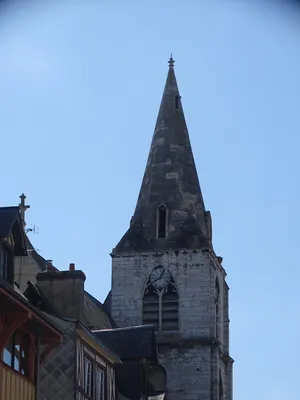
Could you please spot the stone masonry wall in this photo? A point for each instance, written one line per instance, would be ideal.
(194, 274)
(188, 372)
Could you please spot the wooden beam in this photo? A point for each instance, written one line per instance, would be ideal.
(9, 323)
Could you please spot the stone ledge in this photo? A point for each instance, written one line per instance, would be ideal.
(180, 340)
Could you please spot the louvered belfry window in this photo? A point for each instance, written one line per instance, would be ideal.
(160, 302)
(151, 308)
(170, 309)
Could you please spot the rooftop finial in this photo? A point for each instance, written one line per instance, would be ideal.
(23, 207)
(171, 62)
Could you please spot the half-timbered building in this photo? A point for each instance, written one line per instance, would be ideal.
(82, 367)
(26, 334)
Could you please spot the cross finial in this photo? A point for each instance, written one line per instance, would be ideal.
(171, 62)
(23, 207)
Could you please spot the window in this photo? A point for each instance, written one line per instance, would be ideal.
(217, 299)
(88, 377)
(91, 376)
(16, 353)
(162, 222)
(160, 301)
(170, 309)
(100, 376)
(4, 263)
(151, 308)
(177, 98)
(8, 352)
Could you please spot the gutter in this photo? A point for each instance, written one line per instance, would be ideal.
(111, 354)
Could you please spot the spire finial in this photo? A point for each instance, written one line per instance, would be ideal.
(171, 62)
(23, 207)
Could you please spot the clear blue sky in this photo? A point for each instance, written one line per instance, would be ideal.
(80, 87)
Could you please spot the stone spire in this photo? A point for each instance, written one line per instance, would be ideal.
(170, 180)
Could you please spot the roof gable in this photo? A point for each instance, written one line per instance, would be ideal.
(11, 225)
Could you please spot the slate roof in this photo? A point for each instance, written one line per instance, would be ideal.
(102, 343)
(9, 216)
(40, 261)
(171, 179)
(107, 304)
(95, 316)
(131, 343)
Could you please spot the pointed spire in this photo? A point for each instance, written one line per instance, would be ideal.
(171, 62)
(170, 180)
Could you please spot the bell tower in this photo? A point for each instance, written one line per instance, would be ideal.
(165, 271)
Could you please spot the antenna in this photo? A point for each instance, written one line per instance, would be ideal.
(35, 229)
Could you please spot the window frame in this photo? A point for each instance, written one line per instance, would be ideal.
(90, 389)
(21, 364)
(101, 395)
(159, 235)
(87, 360)
(169, 288)
(177, 102)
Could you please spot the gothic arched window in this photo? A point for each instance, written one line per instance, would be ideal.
(160, 302)
(162, 221)
(217, 300)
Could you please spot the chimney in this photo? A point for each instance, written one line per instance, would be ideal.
(49, 266)
(64, 290)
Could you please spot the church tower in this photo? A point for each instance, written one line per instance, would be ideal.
(165, 271)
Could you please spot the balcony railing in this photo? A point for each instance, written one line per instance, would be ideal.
(14, 386)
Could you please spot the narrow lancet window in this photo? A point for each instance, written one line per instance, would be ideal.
(162, 222)
(217, 297)
(177, 102)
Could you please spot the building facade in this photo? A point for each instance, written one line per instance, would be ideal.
(165, 271)
(26, 335)
(82, 366)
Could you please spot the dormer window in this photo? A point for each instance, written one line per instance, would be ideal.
(162, 217)
(177, 100)
(4, 257)
(6, 262)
